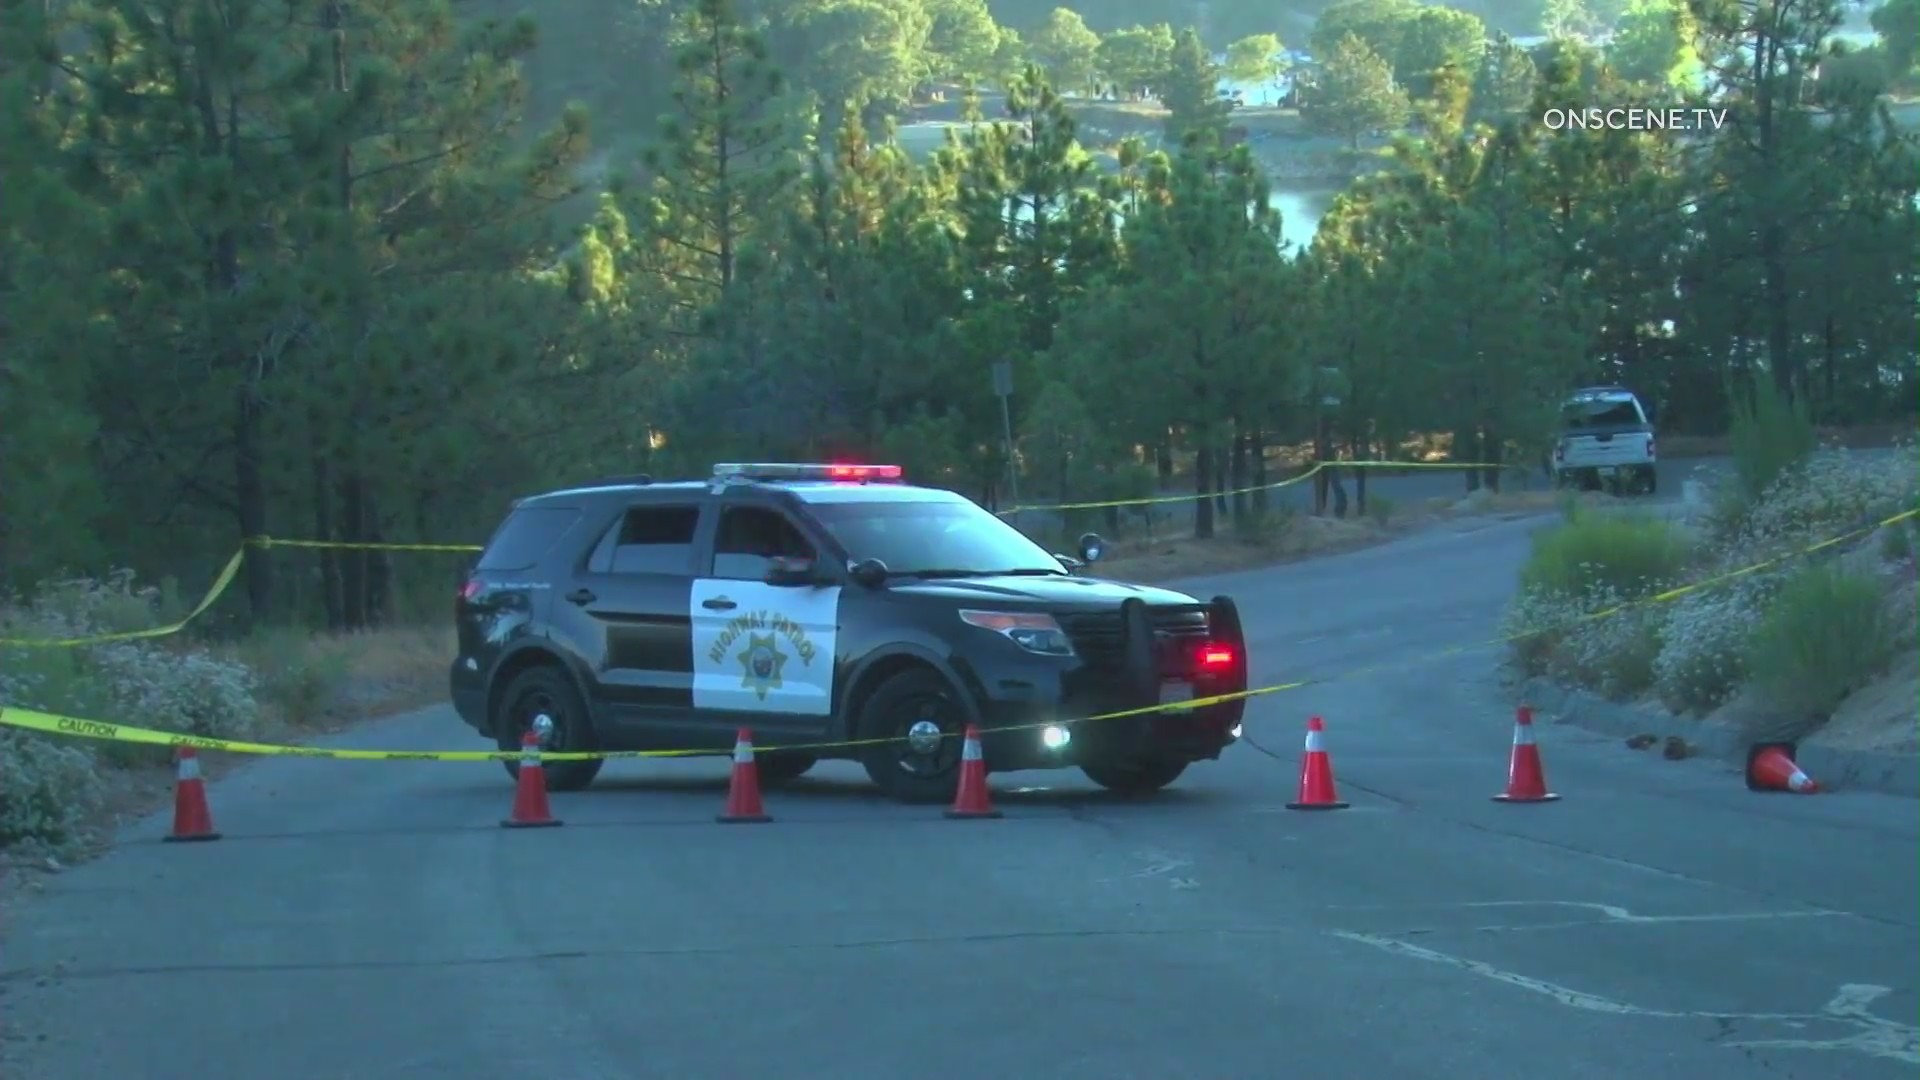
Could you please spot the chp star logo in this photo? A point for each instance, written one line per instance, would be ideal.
(761, 662)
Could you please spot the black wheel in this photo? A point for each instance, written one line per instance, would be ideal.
(1650, 480)
(1135, 777)
(779, 766)
(923, 720)
(548, 692)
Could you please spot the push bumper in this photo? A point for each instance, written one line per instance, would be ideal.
(1045, 719)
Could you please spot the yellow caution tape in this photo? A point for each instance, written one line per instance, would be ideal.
(55, 724)
(264, 542)
(1318, 467)
(219, 586)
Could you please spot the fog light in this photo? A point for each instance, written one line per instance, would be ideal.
(1053, 738)
(1235, 732)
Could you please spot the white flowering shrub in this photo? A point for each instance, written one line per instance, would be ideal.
(1703, 660)
(1831, 493)
(48, 791)
(192, 692)
(1570, 640)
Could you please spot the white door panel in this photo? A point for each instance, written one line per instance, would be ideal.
(771, 652)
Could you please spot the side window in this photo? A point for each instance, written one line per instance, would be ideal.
(648, 540)
(525, 536)
(751, 535)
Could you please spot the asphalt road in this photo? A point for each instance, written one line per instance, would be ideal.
(372, 921)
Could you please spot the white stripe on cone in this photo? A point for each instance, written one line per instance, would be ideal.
(1523, 734)
(970, 751)
(1314, 742)
(1799, 781)
(743, 753)
(189, 767)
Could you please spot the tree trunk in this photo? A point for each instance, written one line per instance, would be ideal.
(1493, 453)
(1202, 489)
(323, 531)
(1257, 450)
(250, 499)
(1221, 458)
(1359, 453)
(1238, 474)
(353, 570)
(1163, 458)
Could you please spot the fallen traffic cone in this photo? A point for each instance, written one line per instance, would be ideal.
(970, 799)
(743, 792)
(1770, 767)
(1526, 781)
(192, 820)
(1316, 772)
(530, 810)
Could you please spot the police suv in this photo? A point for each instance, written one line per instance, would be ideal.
(830, 603)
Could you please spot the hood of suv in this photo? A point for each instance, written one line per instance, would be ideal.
(1042, 591)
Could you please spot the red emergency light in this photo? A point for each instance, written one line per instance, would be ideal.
(863, 472)
(1216, 657)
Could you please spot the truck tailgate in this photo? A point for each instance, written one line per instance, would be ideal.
(1588, 451)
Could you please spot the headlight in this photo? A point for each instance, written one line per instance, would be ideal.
(1036, 633)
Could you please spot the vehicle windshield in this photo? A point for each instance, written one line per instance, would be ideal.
(935, 538)
(1603, 412)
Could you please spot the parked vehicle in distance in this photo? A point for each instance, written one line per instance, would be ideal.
(1606, 443)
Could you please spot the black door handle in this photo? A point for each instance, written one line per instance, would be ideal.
(719, 603)
(581, 596)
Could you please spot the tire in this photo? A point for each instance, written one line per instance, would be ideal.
(779, 767)
(1650, 480)
(906, 700)
(547, 690)
(1135, 778)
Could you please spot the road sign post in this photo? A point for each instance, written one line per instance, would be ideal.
(1003, 389)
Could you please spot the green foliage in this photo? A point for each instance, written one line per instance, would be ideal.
(1770, 435)
(1255, 58)
(1826, 634)
(1897, 22)
(1626, 555)
(1355, 93)
(1190, 90)
(1065, 49)
(1654, 44)
(1133, 59)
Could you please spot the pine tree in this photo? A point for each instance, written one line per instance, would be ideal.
(1190, 89)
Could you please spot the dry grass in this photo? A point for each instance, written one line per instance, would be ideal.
(1860, 437)
(1292, 537)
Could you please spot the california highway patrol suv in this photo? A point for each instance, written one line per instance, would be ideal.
(825, 603)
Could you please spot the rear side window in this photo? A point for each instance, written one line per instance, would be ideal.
(525, 536)
(648, 540)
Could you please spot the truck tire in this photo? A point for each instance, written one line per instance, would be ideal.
(1135, 778)
(546, 690)
(922, 719)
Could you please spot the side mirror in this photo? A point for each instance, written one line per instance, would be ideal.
(869, 573)
(1072, 564)
(1091, 547)
(789, 571)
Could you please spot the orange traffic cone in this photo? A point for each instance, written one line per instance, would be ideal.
(530, 810)
(1526, 781)
(1316, 772)
(192, 820)
(743, 792)
(970, 799)
(1770, 767)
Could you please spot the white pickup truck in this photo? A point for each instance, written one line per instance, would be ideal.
(1606, 441)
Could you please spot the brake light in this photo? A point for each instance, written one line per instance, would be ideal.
(1649, 446)
(470, 590)
(863, 472)
(1215, 657)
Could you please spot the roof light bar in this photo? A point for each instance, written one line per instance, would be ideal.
(778, 470)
